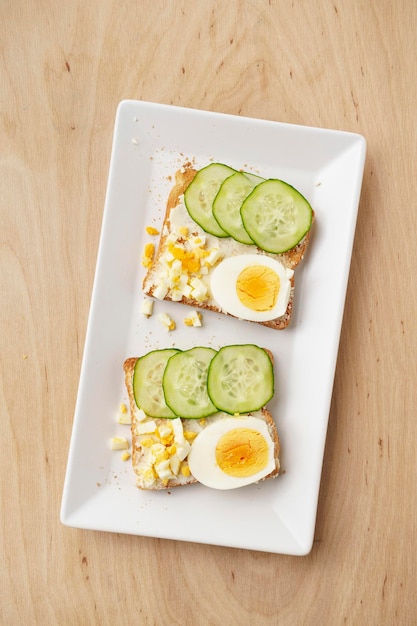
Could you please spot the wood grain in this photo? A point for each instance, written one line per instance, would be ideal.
(63, 68)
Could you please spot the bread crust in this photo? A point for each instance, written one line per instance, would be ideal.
(289, 259)
(137, 453)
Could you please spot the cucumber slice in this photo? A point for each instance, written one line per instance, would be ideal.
(147, 383)
(200, 193)
(227, 203)
(185, 383)
(276, 216)
(240, 379)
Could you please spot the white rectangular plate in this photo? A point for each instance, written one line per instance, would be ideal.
(151, 142)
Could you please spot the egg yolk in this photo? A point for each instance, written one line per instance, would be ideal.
(257, 287)
(242, 452)
(190, 260)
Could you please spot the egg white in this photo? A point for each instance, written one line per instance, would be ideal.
(223, 286)
(202, 456)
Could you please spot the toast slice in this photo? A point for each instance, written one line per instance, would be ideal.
(178, 227)
(168, 432)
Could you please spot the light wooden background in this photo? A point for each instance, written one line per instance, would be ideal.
(64, 66)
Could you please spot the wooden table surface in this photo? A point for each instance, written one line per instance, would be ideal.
(64, 67)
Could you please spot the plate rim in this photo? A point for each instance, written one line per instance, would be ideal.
(124, 108)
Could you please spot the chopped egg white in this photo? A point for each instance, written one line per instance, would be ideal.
(166, 321)
(123, 416)
(140, 415)
(161, 290)
(164, 449)
(199, 290)
(194, 319)
(214, 256)
(147, 307)
(186, 259)
(119, 443)
(146, 427)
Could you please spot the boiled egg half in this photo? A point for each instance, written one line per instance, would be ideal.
(252, 287)
(232, 452)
